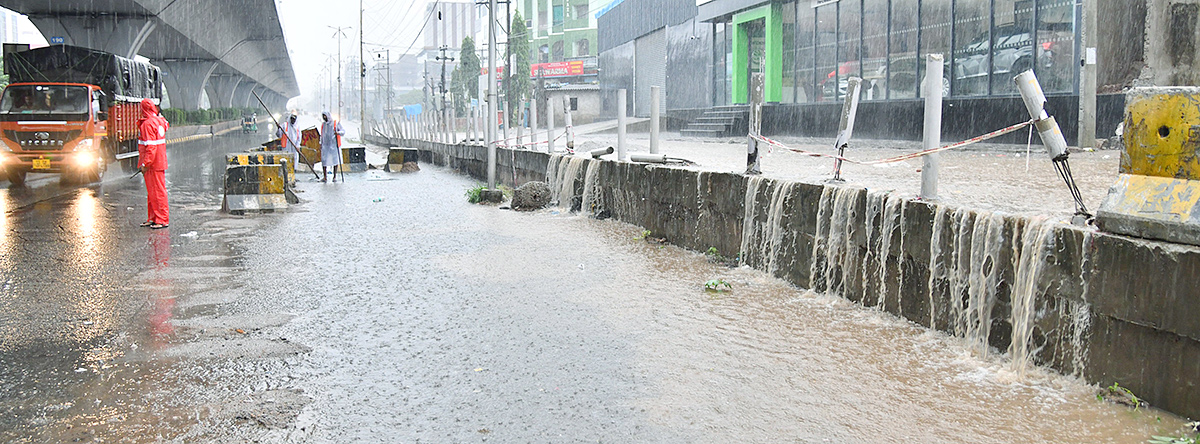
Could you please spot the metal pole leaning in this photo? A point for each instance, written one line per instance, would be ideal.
(621, 104)
(931, 164)
(755, 124)
(654, 104)
(846, 126)
(1052, 138)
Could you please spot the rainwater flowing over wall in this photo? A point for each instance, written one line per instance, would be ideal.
(1104, 307)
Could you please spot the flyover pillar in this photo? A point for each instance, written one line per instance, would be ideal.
(119, 34)
(185, 81)
(241, 94)
(220, 89)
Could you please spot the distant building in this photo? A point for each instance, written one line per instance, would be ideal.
(703, 53)
(16, 28)
(562, 29)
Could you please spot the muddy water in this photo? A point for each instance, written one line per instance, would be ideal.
(387, 309)
(433, 320)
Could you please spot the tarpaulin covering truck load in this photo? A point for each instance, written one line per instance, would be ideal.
(72, 111)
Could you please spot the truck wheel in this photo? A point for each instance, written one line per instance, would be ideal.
(16, 177)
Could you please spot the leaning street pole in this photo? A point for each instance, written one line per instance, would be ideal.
(491, 79)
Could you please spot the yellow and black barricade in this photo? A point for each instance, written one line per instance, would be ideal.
(1157, 195)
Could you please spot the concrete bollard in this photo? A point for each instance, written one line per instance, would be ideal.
(533, 123)
(520, 125)
(507, 119)
(600, 152)
(648, 158)
(931, 164)
(621, 104)
(654, 104)
(550, 126)
(756, 99)
(567, 115)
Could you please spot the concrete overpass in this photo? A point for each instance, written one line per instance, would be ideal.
(227, 48)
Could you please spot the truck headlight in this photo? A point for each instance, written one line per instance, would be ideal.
(84, 158)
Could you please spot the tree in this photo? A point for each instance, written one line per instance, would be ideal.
(464, 81)
(3, 77)
(516, 77)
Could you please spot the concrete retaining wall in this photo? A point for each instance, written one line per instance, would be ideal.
(1108, 308)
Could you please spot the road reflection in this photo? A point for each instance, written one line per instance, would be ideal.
(162, 297)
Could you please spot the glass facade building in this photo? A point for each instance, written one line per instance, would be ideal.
(808, 49)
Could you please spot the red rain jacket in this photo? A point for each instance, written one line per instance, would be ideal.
(152, 138)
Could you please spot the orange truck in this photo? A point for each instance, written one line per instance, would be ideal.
(72, 111)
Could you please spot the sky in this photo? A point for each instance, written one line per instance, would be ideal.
(308, 28)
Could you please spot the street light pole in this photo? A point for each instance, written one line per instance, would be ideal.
(362, 76)
(491, 79)
(442, 88)
(339, 33)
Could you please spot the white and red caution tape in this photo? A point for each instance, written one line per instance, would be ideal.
(900, 158)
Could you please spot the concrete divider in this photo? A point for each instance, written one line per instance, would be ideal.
(1158, 192)
(354, 159)
(288, 161)
(258, 182)
(397, 157)
(1105, 307)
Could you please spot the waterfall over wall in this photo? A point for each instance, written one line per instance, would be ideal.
(1105, 307)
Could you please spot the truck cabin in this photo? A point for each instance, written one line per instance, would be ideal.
(63, 102)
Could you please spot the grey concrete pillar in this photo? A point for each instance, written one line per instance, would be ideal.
(241, 94)
(221, 88)
(185, 81)
(121, 35)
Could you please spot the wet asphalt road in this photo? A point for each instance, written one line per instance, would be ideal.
(387, 309)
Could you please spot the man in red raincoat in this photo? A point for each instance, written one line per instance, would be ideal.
(152, 155)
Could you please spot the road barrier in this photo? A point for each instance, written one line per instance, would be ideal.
(354, 159)
(257, 182)
(397, 157)
(1157, 194)
(266, 158)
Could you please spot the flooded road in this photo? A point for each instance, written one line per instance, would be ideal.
(388, 309)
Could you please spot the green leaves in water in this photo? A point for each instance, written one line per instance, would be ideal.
(717, 286)
(474, 194)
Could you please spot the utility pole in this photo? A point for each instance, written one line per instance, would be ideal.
(1087, 76)
(442, 88)
(388, 67)
(491, 79)
(362, 76)
(339, 32)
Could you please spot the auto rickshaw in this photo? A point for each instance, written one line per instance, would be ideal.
(249, 124)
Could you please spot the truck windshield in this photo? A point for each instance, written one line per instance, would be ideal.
(44, 99)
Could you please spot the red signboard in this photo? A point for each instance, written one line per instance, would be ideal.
(557, 69)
